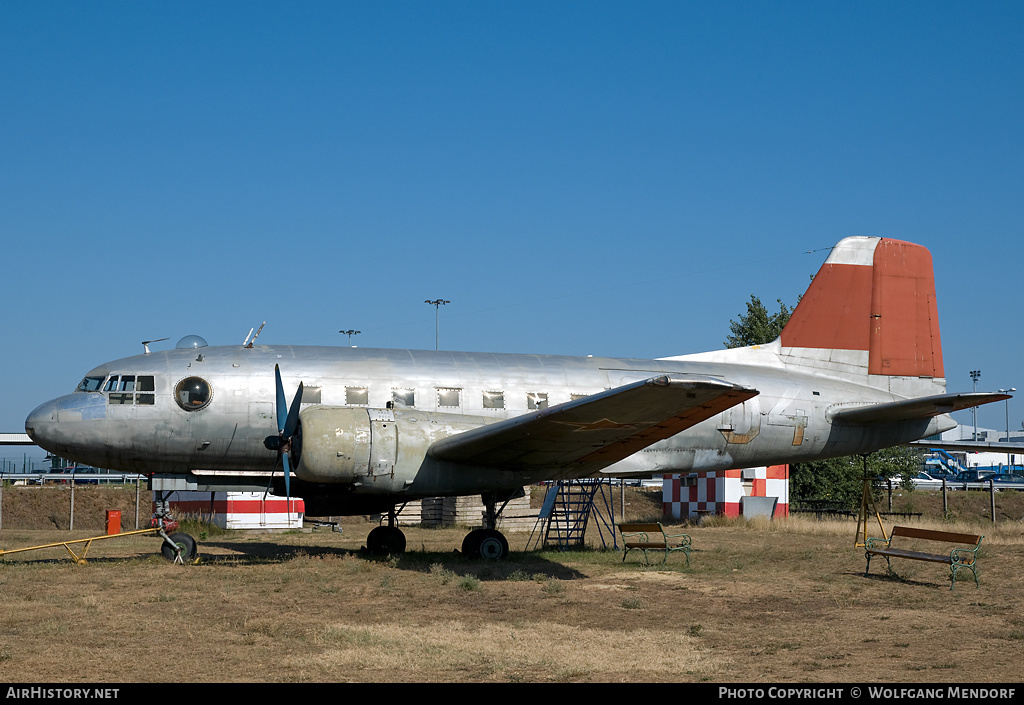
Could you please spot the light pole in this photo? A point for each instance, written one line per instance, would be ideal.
(975, 374)
(437, 304)
(1009, 465)
(350, 333)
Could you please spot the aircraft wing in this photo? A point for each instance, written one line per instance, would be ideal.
(910, 409)
(596, 430)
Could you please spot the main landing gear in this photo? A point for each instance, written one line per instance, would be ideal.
(489, 544)
(486, 543)
(386, 540)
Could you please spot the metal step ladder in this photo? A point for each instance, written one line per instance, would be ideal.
(568, 506)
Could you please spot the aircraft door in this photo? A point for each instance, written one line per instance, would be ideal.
(383, 443)
(262, 420)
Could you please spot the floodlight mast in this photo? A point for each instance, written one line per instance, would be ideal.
(350, 333)
(1009, 456)
(975, 375)
(437, 304)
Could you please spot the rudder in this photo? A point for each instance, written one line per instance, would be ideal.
(871, 310)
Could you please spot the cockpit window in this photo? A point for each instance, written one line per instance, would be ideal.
(193, 393)
(121, 389)
(90, 384)
(122, 383)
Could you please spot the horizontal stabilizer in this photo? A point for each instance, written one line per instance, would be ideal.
(597, 430)
(972, 446)
(912, 409)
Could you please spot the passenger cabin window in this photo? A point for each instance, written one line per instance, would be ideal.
(357, 396)
(193, 393)
(403, 397)
(311, 395)
(448, 397)
(537, 400)
(130, 389)
(494, 400)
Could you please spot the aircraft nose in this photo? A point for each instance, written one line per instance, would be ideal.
(40, 422)
(72, 426)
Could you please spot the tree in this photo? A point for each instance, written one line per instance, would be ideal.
(758, 326)
(839, 479)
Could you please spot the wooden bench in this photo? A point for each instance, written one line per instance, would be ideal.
(653, 537)
(957, 558)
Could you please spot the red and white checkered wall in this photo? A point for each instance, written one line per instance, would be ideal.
(718, 492)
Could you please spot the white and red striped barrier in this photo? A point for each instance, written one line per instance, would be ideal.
(239, 510)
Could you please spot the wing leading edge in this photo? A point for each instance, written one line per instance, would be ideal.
(598, 430)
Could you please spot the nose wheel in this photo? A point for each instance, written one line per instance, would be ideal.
(179, 548)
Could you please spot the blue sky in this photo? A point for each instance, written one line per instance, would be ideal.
(575, 177)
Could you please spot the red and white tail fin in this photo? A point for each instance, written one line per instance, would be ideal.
(871, 311)
(869, 316)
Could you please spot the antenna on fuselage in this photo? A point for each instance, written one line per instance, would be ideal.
(249, 343)
(145, 344)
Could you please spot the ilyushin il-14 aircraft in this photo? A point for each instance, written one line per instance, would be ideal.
(857, 368)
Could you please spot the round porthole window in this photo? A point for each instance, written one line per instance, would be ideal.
(193, 393)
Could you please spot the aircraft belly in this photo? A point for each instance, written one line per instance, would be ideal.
(433, 477)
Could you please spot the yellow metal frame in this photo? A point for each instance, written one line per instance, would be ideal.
(80, 559)
(867, 498)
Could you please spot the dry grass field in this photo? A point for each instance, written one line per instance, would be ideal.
(785, 601)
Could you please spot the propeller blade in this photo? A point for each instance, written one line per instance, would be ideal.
(287, 424)
(287, 480)
(292, 422)
(282, 408)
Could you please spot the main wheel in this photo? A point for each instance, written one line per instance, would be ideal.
(471, 544)
(186, 543)
(488, 544)
(386, 540)
(493, 545)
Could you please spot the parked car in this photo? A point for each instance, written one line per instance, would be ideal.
(1006, 481)
(926, 481)
(973, 476)
(939, 473)
(87, 476)
(83, 475)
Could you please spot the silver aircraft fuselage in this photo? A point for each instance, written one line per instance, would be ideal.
(425, 396)
(857, 367)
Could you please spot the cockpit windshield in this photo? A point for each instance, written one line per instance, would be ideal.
(122, 389)
(90, 384)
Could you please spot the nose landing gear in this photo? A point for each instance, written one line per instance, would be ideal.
(179, 548)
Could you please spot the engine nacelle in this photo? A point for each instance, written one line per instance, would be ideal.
(356, 445)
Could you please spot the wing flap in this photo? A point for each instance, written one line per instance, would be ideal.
(913, 409)
(597, 430)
